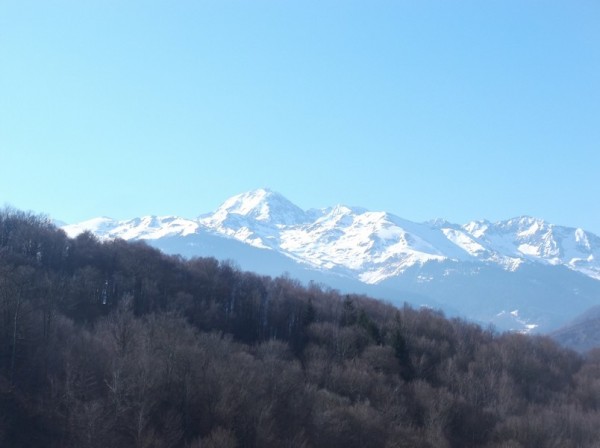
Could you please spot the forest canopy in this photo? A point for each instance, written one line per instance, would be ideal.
(112, 343)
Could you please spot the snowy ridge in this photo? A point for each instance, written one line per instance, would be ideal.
(530, 239)
(145, 228)
(365, 245)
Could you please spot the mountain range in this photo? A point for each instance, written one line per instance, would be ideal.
(520, 274)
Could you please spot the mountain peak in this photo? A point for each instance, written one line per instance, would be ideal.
(263, 205)
(98, 226)
(526, 220)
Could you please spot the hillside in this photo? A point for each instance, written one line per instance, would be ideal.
(581, 334)
(117, 344)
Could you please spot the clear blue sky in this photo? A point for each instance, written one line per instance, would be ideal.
(454, 109)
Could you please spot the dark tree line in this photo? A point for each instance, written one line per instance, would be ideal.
(116, 344)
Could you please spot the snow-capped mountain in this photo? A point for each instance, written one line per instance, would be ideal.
(369, 248)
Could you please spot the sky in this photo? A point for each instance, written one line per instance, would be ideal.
(455, 109)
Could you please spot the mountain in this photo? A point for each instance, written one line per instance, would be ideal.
(522, 273)
(582, 333)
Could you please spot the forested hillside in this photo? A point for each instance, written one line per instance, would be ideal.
(115, 344)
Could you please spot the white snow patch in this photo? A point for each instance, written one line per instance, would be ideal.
(529, 249)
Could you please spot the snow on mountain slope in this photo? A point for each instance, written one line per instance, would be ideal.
(530, 239)
(145, 228)
(370, 246)
(261, 205)
(365, 245)
(255, 217)
(482, 270)
(98, 226)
